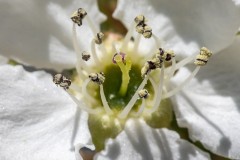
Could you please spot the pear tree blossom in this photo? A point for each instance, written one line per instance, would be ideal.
(122, 100)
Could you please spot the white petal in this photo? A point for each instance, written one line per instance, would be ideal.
(39, 32)
(139, 141)
(185, 25)
(209, 105)
(37, 117)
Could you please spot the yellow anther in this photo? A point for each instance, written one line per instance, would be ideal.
(143, 93)
(139, 19)
(151, 65)
(147, 31)
(203, 56)
(140, 28)
(168, 55)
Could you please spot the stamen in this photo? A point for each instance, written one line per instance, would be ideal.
(99, 78)
(159, 92)
(104, 101)
(85, 91)
(124, 64)
(201, 60)
(62, 81)
(131, 103)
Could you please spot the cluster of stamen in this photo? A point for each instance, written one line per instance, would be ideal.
(160, 57)
(142, 27)
(157, 61)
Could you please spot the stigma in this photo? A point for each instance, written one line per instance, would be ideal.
(123, 83)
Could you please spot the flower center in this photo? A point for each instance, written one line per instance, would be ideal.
(125, 84)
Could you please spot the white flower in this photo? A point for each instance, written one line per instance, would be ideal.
(37, 117)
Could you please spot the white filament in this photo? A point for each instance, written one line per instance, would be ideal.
(94, 53)
(157, 41)
(85, 91)
(95, 31)
(155, 88)
(136, 43)
(185, 61)
(171, 72)
(104, 101)
(84, 107)
(91, 25)
(131, 103)
(159, 92)
(141, 109)
(186, 81)
(75, 87)
(128, 37)
(79, 65)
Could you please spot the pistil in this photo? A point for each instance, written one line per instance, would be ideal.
(125, 66)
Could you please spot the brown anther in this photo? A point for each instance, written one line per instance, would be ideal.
(98, 78)
(99, 38)
(85, 56)
(61, 81)
(143, 93)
